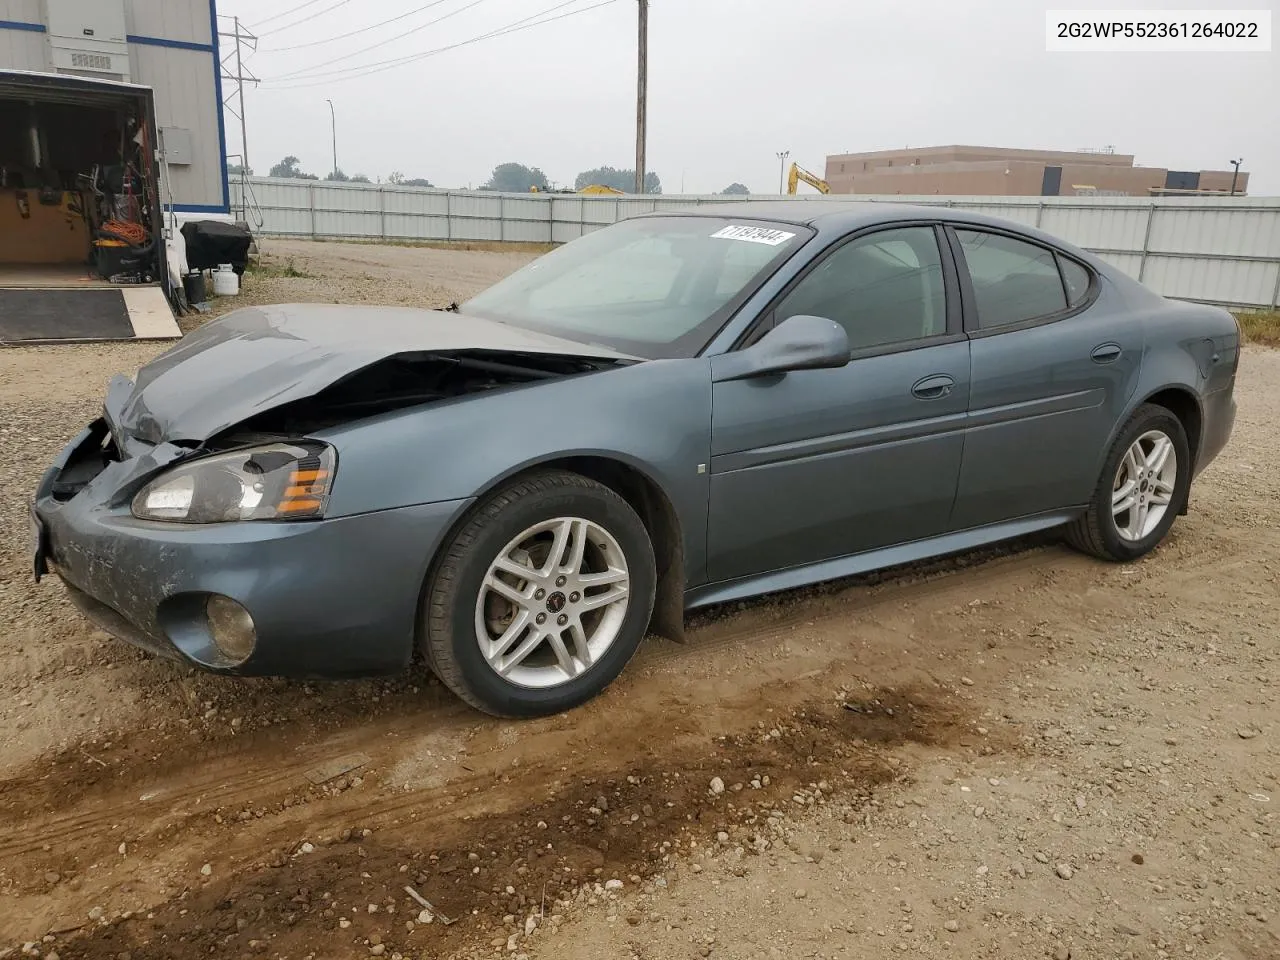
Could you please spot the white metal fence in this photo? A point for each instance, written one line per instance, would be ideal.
(1217, 250)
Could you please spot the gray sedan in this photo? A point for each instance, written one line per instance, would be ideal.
(674, 411)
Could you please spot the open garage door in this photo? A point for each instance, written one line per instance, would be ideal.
(81, 224)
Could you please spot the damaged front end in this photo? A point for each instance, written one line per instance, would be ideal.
(408, 380)
(124, 455)
(321, 363)
(191, 518)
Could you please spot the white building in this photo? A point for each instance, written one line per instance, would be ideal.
(168, 45)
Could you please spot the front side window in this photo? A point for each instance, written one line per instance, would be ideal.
(1013, 281)
(653, 286)
(883, 288)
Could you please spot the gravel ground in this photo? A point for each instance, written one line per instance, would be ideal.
(1014, 753)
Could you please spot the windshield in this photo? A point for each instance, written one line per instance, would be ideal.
(652, 287)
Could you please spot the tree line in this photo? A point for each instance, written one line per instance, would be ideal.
(505, 178)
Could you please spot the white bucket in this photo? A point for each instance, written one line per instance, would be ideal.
(225, 281)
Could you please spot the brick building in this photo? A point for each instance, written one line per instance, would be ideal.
(997, 171)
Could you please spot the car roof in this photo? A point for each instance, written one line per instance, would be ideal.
(841, 216)
(832, 213)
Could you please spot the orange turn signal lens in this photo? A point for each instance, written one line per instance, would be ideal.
(306, 491)
(299, 506)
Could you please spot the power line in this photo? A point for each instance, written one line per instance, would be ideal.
(277, 16)
(309, 17)
(347, 56)
(371, 68)
(352, 33)
(304, 77)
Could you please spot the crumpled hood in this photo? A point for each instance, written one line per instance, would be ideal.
(258, 358)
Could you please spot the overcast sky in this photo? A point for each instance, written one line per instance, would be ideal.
(731, 83)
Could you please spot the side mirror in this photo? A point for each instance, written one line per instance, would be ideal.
(798, 343)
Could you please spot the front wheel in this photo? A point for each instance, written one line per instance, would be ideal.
(541, 598)
(1144, 484)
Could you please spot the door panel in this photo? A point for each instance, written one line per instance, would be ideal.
(818, 464)
(1044, 401)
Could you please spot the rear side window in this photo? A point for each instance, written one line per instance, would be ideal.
(1076, 279)
(1013, 281)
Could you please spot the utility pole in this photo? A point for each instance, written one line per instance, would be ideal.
(333, 129)
(1235, 173)
(782, 168)
(244, 132)
(243, 39)
(642, 91)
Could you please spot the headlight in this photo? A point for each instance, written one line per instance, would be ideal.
(278, 481)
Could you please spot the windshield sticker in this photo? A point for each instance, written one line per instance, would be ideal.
(754, 235)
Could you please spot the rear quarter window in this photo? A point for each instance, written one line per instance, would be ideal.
(1076, 279)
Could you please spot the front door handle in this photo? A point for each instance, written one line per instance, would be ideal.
(1106, 353)
(933, 388)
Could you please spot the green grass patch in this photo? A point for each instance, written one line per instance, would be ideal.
(480, 246)
(1262, 326)
(285, 269)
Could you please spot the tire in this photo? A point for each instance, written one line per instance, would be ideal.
(1121, 537)
(467, 614)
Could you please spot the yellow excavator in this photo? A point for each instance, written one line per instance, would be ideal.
(799, 173)
(591, 189)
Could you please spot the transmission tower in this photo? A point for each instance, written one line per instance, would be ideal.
(233, 69)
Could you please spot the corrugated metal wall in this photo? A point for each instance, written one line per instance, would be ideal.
(22, 49)
(171, 50)
(1217, 250)
(22, 11)
(186, 98)
(187, 21)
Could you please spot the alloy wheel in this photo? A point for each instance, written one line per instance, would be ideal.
(552, 602)
(1143, 489)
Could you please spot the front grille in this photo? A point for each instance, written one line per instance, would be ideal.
(86, 462)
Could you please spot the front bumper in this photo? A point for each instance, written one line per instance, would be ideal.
(329, 598)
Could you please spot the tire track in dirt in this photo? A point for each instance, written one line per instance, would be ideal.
(231, 775)
(479, 781)
(237, 772)
(477, 847)
(258, 779)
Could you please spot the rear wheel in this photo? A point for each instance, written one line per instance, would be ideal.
(1144, 484)
(541, 598)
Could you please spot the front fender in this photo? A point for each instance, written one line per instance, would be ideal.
(654, 417)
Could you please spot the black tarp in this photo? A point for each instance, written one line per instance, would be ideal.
(211, 242)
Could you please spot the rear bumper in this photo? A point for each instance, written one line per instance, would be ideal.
(329, 598)
(1219, 421)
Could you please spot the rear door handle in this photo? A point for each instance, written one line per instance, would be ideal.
(933, 388)
(1106, 353)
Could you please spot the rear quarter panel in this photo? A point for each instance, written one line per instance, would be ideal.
(653, 416)
(1194, 348)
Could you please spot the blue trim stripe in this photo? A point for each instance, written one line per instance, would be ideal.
(131, 38)
(222, 120)
(171, 44)
(200, 208)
